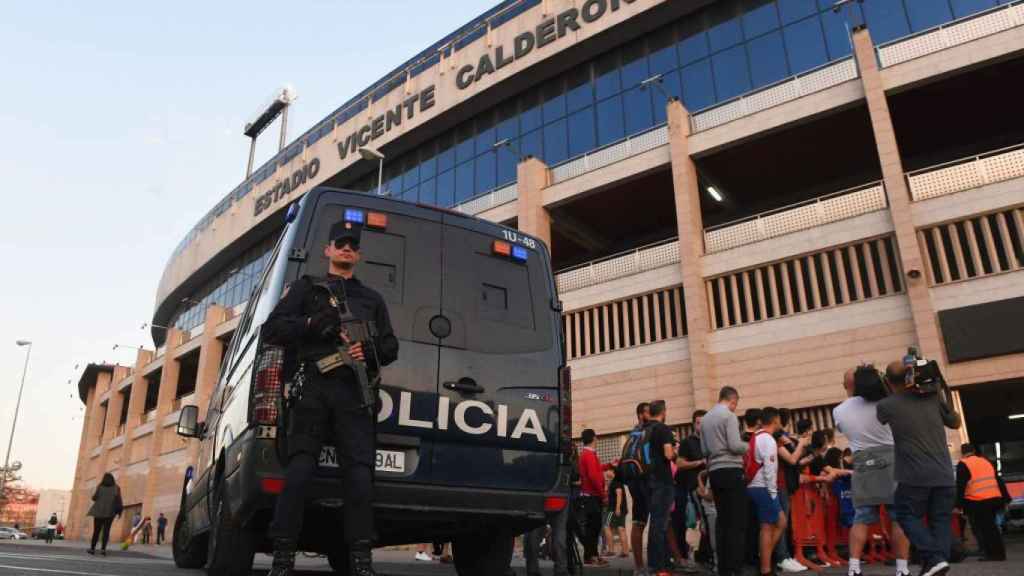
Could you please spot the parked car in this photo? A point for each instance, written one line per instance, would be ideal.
(7, 533)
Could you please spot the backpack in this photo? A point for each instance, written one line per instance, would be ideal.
(636, 454)
(750, 464)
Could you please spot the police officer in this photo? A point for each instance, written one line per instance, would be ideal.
(307, 323)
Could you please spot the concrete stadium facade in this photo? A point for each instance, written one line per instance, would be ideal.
(761, 194)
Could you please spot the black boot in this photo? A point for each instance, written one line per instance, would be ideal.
(284, 557)
(361, 559)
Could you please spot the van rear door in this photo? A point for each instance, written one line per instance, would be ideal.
(401, 261)
(498, 379)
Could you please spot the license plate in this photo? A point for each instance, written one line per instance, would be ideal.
(387, 460)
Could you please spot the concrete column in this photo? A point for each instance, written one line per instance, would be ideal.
(690, 225)
(926, 325)
(164, 406)
(79, 494)
(113, 420)
(137, 401)
(211, 352)
(533, 177)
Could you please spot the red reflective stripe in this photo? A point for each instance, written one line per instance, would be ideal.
(554, 503)
(272, 485)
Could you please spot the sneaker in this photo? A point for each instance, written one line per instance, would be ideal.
(423, 557)
(791, 565)
(938, 569)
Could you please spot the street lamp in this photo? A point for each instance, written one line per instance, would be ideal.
(17, 407)
(372, 154)
(507, 143)
(657, 81)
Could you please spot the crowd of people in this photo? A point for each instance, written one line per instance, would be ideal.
(730, 484)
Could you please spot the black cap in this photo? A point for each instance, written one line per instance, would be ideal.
(353, 230)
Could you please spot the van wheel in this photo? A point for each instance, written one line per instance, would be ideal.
(232, 547)
(338, 559)
(189, 551)
(482, 554)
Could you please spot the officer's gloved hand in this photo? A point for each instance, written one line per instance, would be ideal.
(325, 323)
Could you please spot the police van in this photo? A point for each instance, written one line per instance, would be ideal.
(473, 426)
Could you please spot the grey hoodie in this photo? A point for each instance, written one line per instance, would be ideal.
(720, 439)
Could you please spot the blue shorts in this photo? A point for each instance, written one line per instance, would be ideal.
(767, 506)
(866, 514)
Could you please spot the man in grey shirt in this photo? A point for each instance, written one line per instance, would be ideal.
(926, 485)
(724, 450)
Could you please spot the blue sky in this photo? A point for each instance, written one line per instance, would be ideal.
(120, 126)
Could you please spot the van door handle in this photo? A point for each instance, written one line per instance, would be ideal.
(465, 386)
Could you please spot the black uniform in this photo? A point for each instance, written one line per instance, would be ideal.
(330, 408)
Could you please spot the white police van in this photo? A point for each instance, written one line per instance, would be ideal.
(474, 422)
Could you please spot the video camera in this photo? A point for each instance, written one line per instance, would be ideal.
(922, 377)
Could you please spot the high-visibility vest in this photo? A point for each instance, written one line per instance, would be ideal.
(983, 484)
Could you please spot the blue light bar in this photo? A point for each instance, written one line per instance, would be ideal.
(519, 253)
(353, 215)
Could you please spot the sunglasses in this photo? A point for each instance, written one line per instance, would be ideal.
(342, 242)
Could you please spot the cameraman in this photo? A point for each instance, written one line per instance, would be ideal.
(924, 468)
(873, 455)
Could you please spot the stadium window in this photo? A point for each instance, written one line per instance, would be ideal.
(634, 65)
(724, 30)
(446, 156)
(609, 121)
(484, 138)
(411, 195)
(428, 192)
(446, 189)
(428, 168)
(805, 45)
(924, 14)
(581, 132)
(768, 59)
(485, 172)
(411, 177)
(693, 41)
(530, 144)
(464, 147)
(637, 105)
(607, 81)
(793, 10)
(886, 20)
(529, 117)
(465, 186)
(554, 101)
(506, 164)
(698, 85)
(581, 92)
(837, 38)
(663, 57)
(556, 144)
(759, 17)
(731, 76)
(963, 8)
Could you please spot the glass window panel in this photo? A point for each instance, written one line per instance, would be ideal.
(393, 187)
(508, 128)
(927, 13)
(670, 82)
(485, 141)
(446, 157)
(886, 20)
(530, 144)
(606, 75)
(446, 189)
(634, 65)
(411, 195)
(837, 35)
(465, 147)
(582, 136)
(805, 45)
(662, 47)
(698, 86)
(485, 171)
(581, 91)
(428, 168)
(556, 143)
(768, 59)
(731, 72)
(693, 41)
(609, 121)
(428, 192)
(554, 101)
(793, 10)
(637, 105)
(506, 164)
(465, 184)
(529, 118)
(724, 28)
(759, 16)
(411, 177)
(963, 8)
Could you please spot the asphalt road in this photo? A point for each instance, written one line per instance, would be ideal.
(34, 558)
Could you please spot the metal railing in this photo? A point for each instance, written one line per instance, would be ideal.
(783, 91)
(795, 217)
(610, 154)
(626, 263)
(967, 173)
(487, 200)
(951, 34)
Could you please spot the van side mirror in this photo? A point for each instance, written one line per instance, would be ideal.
(188, 422)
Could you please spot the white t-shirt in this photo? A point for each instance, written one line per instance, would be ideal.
(856, 419)
(766, 453)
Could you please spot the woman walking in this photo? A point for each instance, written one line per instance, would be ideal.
(106, 504)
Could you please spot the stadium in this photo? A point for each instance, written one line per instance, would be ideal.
(760, 193)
